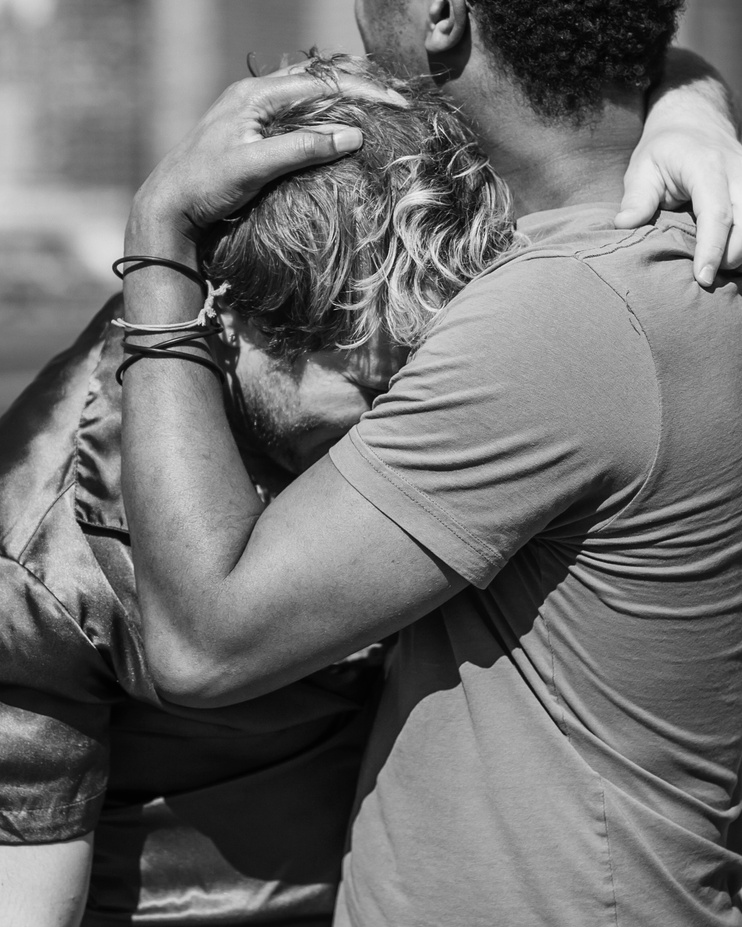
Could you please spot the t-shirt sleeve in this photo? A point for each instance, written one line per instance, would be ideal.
(54, 716)
(530, 410)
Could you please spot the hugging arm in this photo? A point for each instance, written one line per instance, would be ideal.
(690, 151)
(237, 601)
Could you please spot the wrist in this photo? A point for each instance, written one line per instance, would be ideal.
(159, 214)
(153, 230)
(155, 293)
(691, 97)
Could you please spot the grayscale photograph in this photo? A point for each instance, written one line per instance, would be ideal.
(370, 463)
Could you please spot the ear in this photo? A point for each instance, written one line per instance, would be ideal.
(228, 338)
(448, 21)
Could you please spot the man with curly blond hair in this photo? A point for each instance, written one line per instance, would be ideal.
(375, 244)
(353, 260)
(235, 815)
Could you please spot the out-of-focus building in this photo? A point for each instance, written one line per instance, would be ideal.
(94, 92)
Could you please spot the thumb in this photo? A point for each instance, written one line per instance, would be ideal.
(255, 163)
(644, 190)
(282, 154)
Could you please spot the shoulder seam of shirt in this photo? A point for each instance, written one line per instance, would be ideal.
(585, 258)
(639, 328)
(543, 251)
(634, 237)
(675, 223)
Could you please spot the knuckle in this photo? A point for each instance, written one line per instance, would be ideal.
(234, 90)
(307, 144)
(715, 160)
(645, 181)
(713, 251)
(723, 216)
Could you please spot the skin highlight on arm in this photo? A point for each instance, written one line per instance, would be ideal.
(45, 885)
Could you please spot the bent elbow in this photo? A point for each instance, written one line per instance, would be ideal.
(198, 675)
(182, 676)
(184, 672)
(196, 664)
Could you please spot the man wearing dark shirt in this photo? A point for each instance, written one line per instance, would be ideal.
(237, 815)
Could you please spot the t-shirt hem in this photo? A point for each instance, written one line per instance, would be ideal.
(415, 512)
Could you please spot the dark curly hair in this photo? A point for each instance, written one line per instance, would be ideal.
(564, 54)
(380, 240)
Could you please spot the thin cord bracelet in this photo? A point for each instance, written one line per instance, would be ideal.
(205, 325)
(137, 352)
(164, 349)
(202, 320)
(195, 338)
(150, 260)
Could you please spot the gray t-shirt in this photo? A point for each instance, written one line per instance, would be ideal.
(560, 743)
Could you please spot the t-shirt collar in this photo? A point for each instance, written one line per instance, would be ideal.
(548, 223)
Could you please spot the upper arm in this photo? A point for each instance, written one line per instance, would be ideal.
(325, 574)
(45, 885)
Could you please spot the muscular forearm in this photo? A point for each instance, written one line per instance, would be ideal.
(190, 503)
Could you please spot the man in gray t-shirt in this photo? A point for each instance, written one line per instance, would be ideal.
(568, 729)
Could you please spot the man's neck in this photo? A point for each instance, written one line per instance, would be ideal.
(549, 166)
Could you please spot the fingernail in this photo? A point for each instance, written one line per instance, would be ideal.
(706, 277)
(397, 98)
(347, 139)
(626, 219)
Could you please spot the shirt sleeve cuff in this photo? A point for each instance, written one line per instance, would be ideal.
(414, 512)
(54, 822)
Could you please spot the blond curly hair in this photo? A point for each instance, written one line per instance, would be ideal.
(380, 240)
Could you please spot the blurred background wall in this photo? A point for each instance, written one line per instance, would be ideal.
(94, 92)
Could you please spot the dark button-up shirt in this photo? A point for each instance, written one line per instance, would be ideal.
(232, 816)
